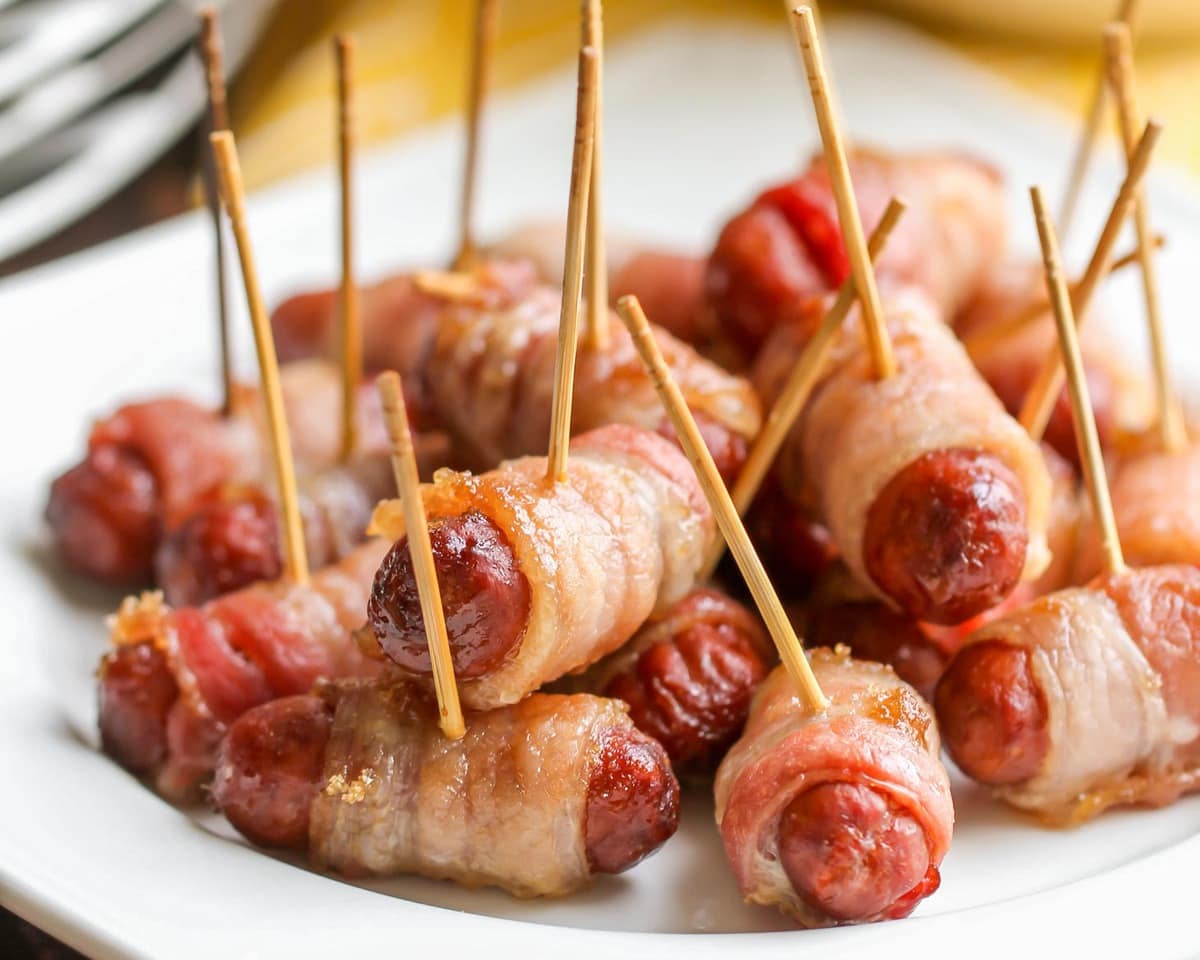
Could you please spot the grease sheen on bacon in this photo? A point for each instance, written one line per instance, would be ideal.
(531, 799)
(619, 540)
(1115, 668)
(201, 668)
(878, 742)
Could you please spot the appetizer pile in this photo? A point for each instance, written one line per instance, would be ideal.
(501, 675)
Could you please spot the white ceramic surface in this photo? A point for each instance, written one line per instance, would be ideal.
(698, 120)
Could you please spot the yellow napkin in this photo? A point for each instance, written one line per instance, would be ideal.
(412, 56)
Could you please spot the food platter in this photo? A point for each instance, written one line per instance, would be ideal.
(698, 117)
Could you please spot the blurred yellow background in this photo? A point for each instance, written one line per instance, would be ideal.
(412, 56)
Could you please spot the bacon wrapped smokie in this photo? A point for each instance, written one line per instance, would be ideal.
(176, 678)
(787, 246)
(490, 378)
(688, 677)
(151, 465)
(539, 579)
(1087, 698)
(537, 798)
(934, 495)
(838, 817)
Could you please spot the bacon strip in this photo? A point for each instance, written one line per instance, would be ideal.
(876, 732)
(619, 540)
(266, 641)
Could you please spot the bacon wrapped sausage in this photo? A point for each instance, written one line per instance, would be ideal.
(151, 464)
(787, 246)
(1087, 698)
(838, 817)
(934, 495)
(1156, 502)
(490, 378)
(176, 678)
(688, 677)
(537, 798)
(539, 579)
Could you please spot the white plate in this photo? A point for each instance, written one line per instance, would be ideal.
(699, 119)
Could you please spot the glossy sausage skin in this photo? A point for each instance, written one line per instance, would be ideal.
(946, 537)
(270, 769)
(632, 802)
(105, 516)
(273, 756)
(992, 713)
(484, 594)
(794, 547)
(225, 545)
(691, 690)
(880, 866)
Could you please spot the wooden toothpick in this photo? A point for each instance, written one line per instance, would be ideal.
(596, 336)
(568, 323)
(805, 30)
(798, 388)
(1118, 49)
(1039, 401)
(730, 524)
(404, 466)
(351, 330)
(481, 73)
(232, 192)
(1126, 13)
(1081, 406)
(218, 119)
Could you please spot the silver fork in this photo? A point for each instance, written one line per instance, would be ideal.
(71, 133)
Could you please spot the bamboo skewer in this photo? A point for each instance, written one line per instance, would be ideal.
(404, 466)
(481, 73)
(1126, 13)
(218, 119)
(233, 193)
(597, 254)
(351, 322)
(568, 322)
(1081, 406)
(983, 340)
(804, 27)
(1118, 48)
(790, 650)
(798, 389)
(1035, 411)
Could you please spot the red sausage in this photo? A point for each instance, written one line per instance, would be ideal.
(632, 802)
(137, 692)
(874, 631)
(224, 546)
(104, 513)
(484, 594)
(851, 852)
(946, 538)
(269, 769)
(692, 692)
(992, 714)
(670, 288)
(795, 548)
